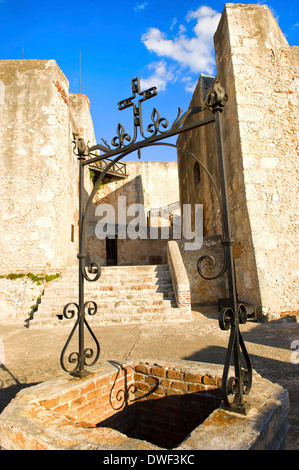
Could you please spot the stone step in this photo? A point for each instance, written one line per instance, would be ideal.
(107, 296)
(104, 279)
(123, 294)
(120, 270)
(100, 284)
(120, 310)
(168, 315)
(121, 290)
(109, 303)
(138, 268)
(51, 314)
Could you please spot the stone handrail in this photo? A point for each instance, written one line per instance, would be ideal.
(179, 277)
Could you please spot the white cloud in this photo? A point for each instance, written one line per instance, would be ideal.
(182, 29)
(159, 77)
(194, 53)
(191, 49)
(190, 84)
(174, 22)
(140, 6)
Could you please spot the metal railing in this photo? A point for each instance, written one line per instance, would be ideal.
(117, 169)
(163, 211)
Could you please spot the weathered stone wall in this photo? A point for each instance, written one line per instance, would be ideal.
(39, 175)
(38, 170)
(266, 78)
(153, 184)
(194, 183)
(202, 292)
(18, 298)
(259, 71)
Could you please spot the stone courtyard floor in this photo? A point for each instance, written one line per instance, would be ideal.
(31, 356)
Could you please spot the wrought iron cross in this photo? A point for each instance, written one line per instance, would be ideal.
(137, 111)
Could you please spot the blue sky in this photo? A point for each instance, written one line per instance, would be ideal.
(165, 42)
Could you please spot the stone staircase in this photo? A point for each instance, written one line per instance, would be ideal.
(123, 294)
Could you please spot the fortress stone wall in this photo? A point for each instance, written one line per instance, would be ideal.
(38, 170)
(154, 184)
(259, 71)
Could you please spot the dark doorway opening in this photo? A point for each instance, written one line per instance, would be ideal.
(111, 251)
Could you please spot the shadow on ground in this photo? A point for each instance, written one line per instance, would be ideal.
(9, 392)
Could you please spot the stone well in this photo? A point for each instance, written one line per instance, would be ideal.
(143, 405)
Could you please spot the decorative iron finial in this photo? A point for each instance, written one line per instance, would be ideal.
(81, 146)
(217, 97)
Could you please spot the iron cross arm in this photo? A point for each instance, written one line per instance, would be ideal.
(146, 95)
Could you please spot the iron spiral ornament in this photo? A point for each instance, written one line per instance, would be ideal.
(235, 387)
(94, 269)
(126, 395)
(81, 357)
(210, 264)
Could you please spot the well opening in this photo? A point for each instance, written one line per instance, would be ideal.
(157, 403)
(164, 422)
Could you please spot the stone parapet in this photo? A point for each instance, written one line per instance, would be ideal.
(39, 172)
(179, 277)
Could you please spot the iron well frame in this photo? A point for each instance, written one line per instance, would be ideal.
(235, 386)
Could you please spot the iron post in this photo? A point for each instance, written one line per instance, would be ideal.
(79, 358)
(236, 385)
(81, 372)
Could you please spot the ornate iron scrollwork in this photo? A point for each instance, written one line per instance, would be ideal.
(93, 268)
(125, 395)
(235, 314)
(80, 358)
(234, 387)
(118, 141)
(160, 125)
(210, 264)
(157, 122)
